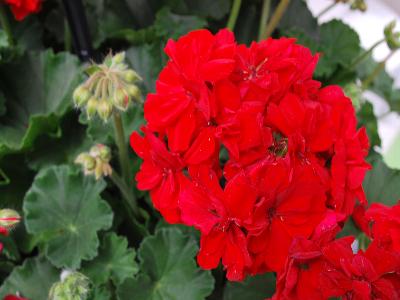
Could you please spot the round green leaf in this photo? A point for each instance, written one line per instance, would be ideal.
(37, 89)
(115, 261)
(381, 184)
(65, 210)
(168, 270)
(32, 280)
(253, 288)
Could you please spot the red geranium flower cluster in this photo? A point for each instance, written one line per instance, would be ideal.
(323, 268)
(23, 8)
(244, 145)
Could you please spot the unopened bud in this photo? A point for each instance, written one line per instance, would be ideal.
(81, 96)
(104, 109)
(359, 5)
(119, 58)
(121, 99)
(9, 218)
(91, 107)
(131, 76)
(96, 161)
(392, 38)
(73, 286)
(134, 91)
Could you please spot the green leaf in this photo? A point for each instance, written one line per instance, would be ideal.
(147, 61)
(299, 17)
(381, 184)
(339, 45)
(168, 270)
(65, 209)
(65, 149)
(253, 288)
(115, 261)
(100, 293)
(38, 92)
(216, 9)
(173, 26)
(366, 118)
(32, 280)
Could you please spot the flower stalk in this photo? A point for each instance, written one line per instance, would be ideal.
(234, 14)
(263, 20)
(5, 24)
(276, 17)
(375, 73)
(326, 9)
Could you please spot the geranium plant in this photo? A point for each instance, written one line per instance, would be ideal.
(207, 150)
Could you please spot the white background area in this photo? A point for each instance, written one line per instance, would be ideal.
(369, 26)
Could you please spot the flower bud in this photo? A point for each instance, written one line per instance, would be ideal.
(131, 76)
(392, 38)
(108, 88)
(81, 96)
(119, 58)
(9, 218)
(91, 107)
(88, 162)
(134, 91)
(104, 109)
(96, 161)
(359, 5)
(73, 286)
(121, 99)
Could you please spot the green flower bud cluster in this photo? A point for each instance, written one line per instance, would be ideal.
(110, 86)
(392, 38)
(73, 286)
(96, 161)
(9, 218)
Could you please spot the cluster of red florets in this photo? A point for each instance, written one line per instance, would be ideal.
(244, 145)
(23, 8)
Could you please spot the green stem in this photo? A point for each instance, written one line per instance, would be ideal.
(67, 37)
(378, 69)
(263, 21)
(276, 17)
(326, 9)
(365, 54)
(6, 25)
(122, 147)
(234, 14)
(126, 194)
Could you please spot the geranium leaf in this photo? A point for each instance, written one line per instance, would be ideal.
(115, 261)
(339, 45)
(252, 288)
(366, 118)
(168, 270)
(100, 293)
(147, 60)
(381, 184)
(31, 280)
(38, 91)
(65, 209)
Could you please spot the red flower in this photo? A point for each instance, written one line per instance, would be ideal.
(159, 173)
(385, 224)
(23, 8)
(290, 206)
(244, 145)
(12, 297)
(222, 217)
